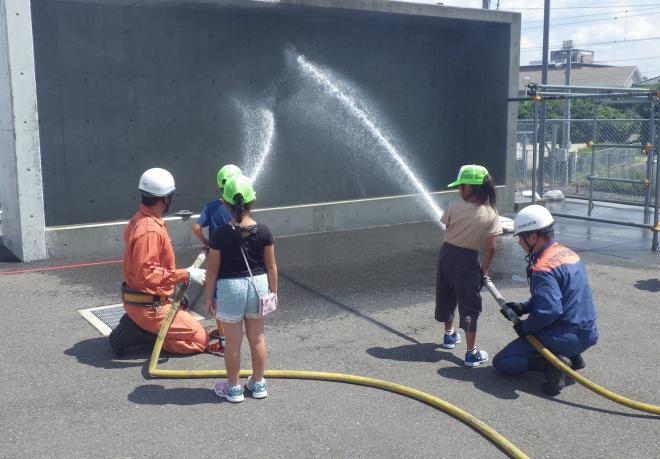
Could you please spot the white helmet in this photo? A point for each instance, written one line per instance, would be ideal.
(532, 218)
(157, 182)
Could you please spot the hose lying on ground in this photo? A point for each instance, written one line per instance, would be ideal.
(550, 357)
(447, 407)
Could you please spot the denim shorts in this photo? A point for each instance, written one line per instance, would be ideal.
(238, 298)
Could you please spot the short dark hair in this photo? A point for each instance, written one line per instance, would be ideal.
(548, 233)
(150, 200)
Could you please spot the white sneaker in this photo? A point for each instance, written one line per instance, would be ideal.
(258, 389)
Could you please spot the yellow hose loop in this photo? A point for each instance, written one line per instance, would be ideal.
(429, 399)
(447, 407)
(635, 405)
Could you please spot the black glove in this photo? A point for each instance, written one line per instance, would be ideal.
(185, 302)
(518, 329)
(516, 307)
(504, 314)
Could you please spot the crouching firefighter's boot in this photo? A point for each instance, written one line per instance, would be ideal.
(127, 335)
(556, 377)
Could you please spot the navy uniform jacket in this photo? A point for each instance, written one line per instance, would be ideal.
(561, 296)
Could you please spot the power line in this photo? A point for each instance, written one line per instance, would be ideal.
(628, 10)
(629, 59)
(594, 43)
(584, 7)
(556, 25)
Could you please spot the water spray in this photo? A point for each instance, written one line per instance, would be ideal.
(260, 136)
(267, 145)
(322, 79)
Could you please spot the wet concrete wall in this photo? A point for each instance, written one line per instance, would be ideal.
(124, 88)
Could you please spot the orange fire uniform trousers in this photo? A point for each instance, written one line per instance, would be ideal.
(185, 336)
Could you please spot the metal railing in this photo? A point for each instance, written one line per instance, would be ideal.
(609, 156)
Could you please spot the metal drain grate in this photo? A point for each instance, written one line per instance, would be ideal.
(106, 318)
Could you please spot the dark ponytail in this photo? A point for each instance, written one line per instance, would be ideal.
(485, 193)
(239, 207)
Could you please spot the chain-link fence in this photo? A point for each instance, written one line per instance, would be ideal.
(607, 158)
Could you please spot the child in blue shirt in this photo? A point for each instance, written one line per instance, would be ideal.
(214, 215)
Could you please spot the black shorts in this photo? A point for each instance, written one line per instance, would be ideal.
(458, 282)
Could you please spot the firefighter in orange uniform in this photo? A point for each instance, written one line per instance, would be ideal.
(150, 275)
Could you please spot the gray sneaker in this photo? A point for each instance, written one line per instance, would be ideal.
(258, 389)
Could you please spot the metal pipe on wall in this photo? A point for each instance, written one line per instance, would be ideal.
(656, 219)
(534, 149)
(649, 165)
(544, 80)
(593, 159)
(602, 220)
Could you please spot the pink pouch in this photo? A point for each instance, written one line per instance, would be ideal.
(267, 304)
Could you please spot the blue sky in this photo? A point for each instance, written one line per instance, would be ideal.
(620, 32)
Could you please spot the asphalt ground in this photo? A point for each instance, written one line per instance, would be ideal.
(356, 302)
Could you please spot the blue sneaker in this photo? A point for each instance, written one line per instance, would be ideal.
(258, 389)
(473, 359)
(451, 340)
(233, 394)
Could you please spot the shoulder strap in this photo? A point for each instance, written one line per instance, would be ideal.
(247, 265)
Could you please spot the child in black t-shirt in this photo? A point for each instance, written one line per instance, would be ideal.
(241, 263)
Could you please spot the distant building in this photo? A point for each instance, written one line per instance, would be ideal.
(583, 75)
(584, 72)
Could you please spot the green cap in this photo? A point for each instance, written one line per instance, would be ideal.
(239, 184)
(225, 173)
(470, 174)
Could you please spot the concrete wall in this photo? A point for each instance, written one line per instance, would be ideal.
(190, 85)
(20, 163)
(106, 239)
(124, 87)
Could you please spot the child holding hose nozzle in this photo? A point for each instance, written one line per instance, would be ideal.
(561, 312)
(214, 215)
(471, 223)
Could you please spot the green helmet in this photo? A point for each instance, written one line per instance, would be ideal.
(470, 174)
(239, 184)
(225, 173)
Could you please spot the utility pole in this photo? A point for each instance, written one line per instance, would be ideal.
(544, 81)
(567, 49)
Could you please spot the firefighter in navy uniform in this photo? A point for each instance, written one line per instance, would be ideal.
(561, 312)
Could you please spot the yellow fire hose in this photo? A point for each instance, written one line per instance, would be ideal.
(550, 357)
(447, 407)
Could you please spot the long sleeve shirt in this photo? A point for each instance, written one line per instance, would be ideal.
(561, 293)
(149, 263)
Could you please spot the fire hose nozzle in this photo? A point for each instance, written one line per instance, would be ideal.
(508, 312)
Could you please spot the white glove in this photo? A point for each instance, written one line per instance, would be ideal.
(197, 275)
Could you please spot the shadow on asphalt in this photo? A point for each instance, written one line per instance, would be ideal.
(421, 352)
(155, 394)
(489, 381)
(649, 285)
(6, 256)
(96, 352)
